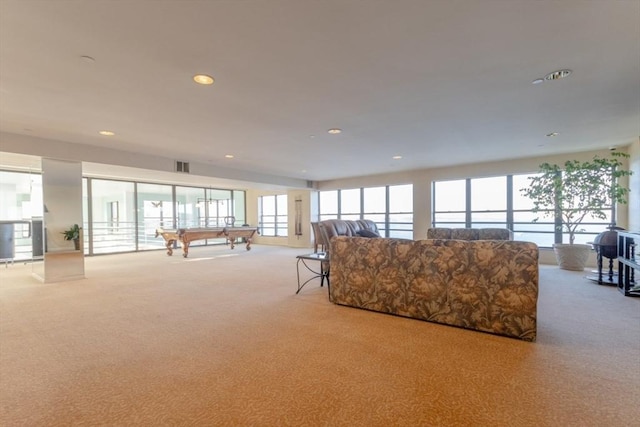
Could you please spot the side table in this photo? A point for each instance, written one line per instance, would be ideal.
(604, 251)
(322, 272)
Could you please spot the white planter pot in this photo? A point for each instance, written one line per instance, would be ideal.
(571, 257)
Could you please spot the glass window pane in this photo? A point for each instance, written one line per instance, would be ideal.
(217, 207)
(401, 198)
(400, 234)
(328, 216)
(400, 221)
(449, 195)
(190, 208)
(534, 226)
(449, 217)
(350, 216)
(21, 200)
(521, 202)
(281, 201)
(377, 218)
(268, 205)
(114, 219)
(155, 209)
(329, 203)
(350, 202)
(375, 200)
(489, 194)
(541, 239)
(239, 207)
(488, 218)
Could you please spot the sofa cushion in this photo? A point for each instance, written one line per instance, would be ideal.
(439, 233)
(367, 233)
(469, 233)
(465, 233)
(495, 234)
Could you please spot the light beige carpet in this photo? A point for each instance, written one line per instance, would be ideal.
(221, 339)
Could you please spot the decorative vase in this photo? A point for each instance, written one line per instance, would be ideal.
(76, 244)
(571, 257)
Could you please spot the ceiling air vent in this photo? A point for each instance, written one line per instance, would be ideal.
(182, 166)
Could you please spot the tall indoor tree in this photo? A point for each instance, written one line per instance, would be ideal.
(575, 191)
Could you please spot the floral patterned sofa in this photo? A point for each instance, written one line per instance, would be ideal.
(484, 285)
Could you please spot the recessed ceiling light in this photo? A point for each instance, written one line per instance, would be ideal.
(396, 157)
(556, 75)
(88, 59)
(552, 134)
(334, 131)
(228, 156)
(203, 79)
(106, 133)
(537, 81)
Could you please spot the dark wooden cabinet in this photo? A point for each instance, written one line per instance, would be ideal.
(628, 263)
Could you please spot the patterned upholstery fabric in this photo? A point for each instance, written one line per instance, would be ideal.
(470, 233)
(465, 233)
(495, 234)
(439, 233)
(485, 285)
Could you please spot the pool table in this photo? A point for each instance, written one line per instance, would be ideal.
(187, 235)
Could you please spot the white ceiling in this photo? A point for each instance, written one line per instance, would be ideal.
(436, 82)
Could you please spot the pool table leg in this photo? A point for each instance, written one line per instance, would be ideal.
(169, 246)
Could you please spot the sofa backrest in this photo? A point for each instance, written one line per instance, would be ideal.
(486, 285)
(342, 227)
(470, 233)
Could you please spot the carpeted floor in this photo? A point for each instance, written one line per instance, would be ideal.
(221, 339)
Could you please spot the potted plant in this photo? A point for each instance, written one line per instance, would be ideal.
(73, 233)
(573, 192)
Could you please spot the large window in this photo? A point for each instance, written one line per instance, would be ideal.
(328, 201)
(118, 216)
(498, 202)
(21, 233)
(390, 207)
(113, 216)
(375, 206)
(400, 214)
(155, 209)
(190, 207)
(272, 214)
(489, 202)
(350, 207)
